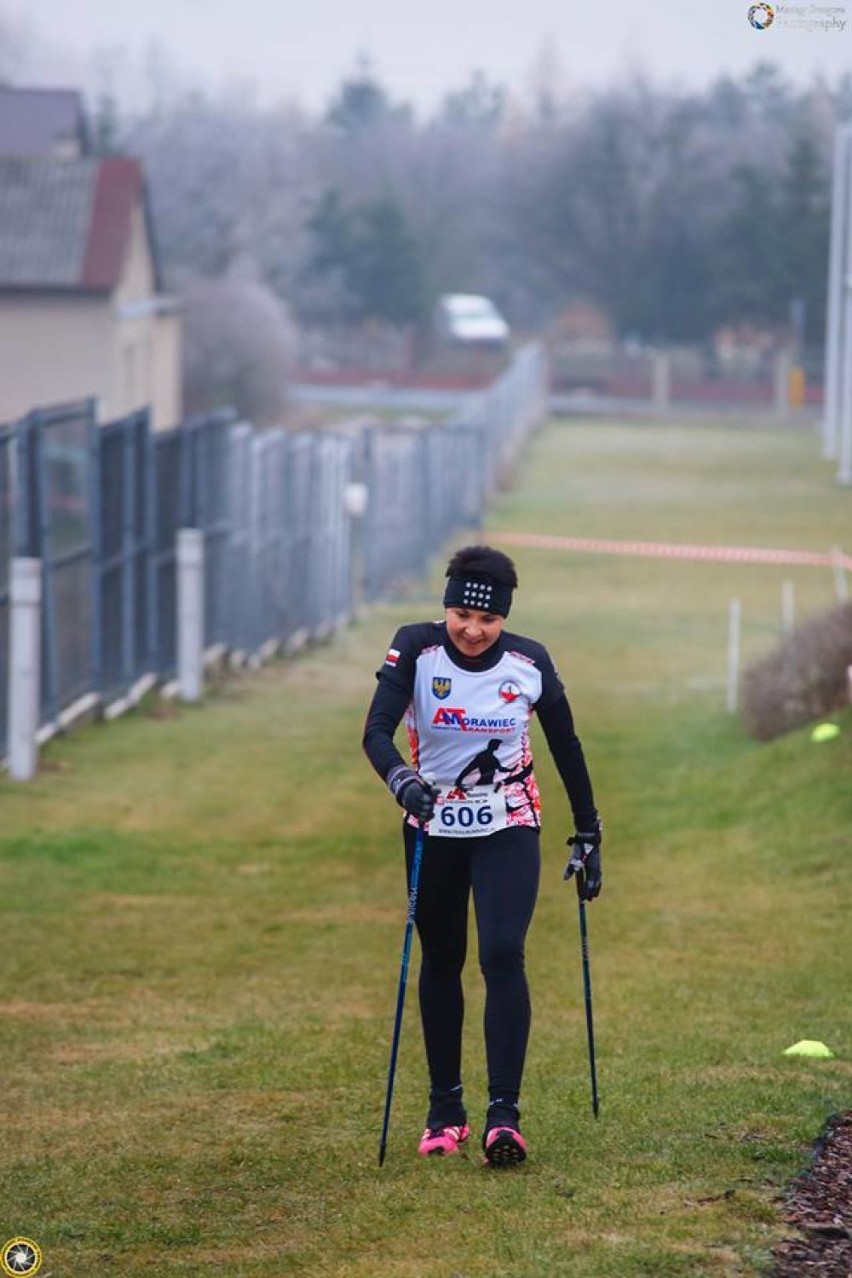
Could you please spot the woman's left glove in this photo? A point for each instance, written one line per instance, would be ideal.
(585, 861)
(412, 792)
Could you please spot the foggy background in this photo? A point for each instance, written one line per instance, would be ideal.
(618, 177)
(298, 51)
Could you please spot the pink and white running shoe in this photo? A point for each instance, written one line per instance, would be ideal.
(504, 1147)
(443, 1140)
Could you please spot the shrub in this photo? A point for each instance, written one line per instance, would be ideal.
(803, 679)
(239, 349)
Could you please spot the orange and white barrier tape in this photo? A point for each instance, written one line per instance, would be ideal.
(673, 550)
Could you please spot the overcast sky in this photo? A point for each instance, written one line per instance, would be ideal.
(418, 51)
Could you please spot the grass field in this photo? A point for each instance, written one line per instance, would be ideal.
(203, 910)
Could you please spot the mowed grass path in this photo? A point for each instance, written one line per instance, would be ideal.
(203, 910)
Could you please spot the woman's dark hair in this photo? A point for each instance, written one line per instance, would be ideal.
(483, 561)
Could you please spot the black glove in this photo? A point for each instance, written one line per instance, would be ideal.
(585, 862)
(412, 792)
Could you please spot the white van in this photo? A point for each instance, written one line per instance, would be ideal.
(468, 319)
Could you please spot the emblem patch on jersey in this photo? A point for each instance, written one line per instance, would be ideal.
(441, 687)
(393, 657)
(509, 690)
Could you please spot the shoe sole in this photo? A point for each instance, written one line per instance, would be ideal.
(504, 1151)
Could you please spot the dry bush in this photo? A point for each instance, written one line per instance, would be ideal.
(803, 679)
(239, 349)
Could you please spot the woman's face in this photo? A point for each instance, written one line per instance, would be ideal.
(473, 632)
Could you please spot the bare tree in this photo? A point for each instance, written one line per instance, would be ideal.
(619, 198)
(227, 183)
(15, 46)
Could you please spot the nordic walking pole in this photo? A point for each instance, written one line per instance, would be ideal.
(403, 978)
(587, 990)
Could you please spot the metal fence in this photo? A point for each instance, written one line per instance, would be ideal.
(57, 524)
(122, 553)
(288, 553)
(425, 481)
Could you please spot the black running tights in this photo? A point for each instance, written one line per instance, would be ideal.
(502, 870)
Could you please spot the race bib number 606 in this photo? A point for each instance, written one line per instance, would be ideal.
(477, 812)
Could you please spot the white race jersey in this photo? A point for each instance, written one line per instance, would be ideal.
(468, 728)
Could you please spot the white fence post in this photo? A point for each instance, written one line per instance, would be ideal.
(837, 272)
(841, 585)
(661, 380)
(844, 417)
(734, 619)
(782, 382)
(24, 666)
(788, 606)
(837, 416)
(190, 613)
(356, 498)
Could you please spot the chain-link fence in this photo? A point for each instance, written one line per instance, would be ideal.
(122, 551)
(60, 446)
(425, 482)
(298, 528)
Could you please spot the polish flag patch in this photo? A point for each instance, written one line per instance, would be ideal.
(393, 657)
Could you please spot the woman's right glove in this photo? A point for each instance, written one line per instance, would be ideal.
(412, 792)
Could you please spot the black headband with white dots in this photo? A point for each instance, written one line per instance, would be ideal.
(479, 593)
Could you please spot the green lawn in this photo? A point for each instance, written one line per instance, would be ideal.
(203, 910)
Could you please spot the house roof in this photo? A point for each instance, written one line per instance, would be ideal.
(65, 224)
(45, 122)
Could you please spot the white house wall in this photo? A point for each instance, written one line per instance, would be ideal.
(147, 340)
(123, 349)
(55, 348)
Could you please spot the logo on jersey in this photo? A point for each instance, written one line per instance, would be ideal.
(457, 719)
(441, 688)
(393, 657)
(509, 690)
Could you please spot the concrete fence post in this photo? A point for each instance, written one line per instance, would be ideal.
(661, 380)
(356, 498)
(841, 206)
(844, 439)
(783, 364)
(24, 696)
(734, 627)
(841, 585)
(190, 613)
(788, 607)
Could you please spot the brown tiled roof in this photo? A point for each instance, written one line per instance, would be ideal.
(65, 224)
(117, 189)
(42, 121)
